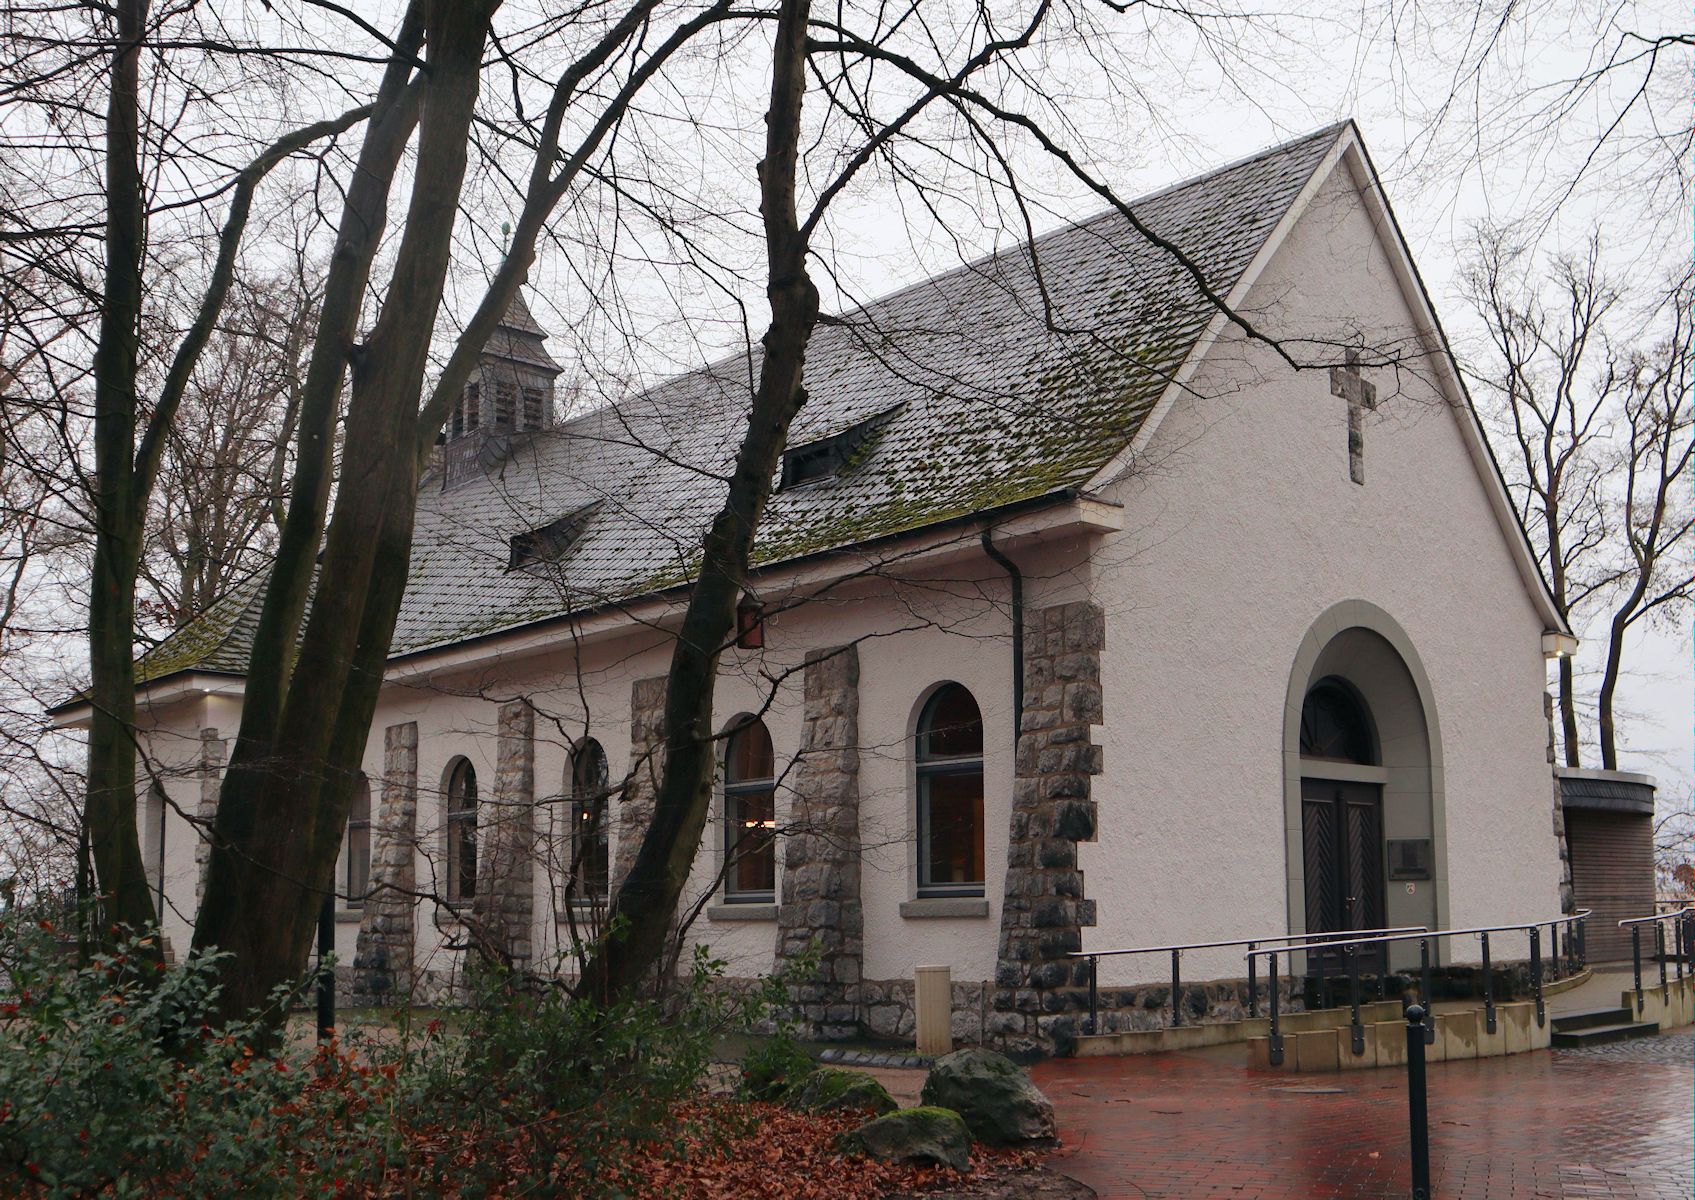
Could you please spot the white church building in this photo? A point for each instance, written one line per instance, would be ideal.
(1081, 618)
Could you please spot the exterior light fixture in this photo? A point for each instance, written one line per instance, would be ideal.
(1558, 645)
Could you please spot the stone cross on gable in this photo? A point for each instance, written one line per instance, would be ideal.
(1348, 383)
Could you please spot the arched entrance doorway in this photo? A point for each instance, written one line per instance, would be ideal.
(1342, 843)
(1363, 784)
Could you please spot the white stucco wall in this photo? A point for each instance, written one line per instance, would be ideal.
(1242, 526)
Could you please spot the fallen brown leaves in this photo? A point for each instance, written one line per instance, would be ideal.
(784, 1155)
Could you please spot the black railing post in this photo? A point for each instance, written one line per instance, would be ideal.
(1094, 997)
(1424, 990)
(1176, 987)
(1488, 986)
(1355, 1029)
(1636, 963)
(1276, 1033)
(1253, 984)
(1660, 953)
(1323, 989)
(1554, 950)
(1682, 943)
(1536, 974)
(1418, 1104)
(326, 976)
(1582, 942)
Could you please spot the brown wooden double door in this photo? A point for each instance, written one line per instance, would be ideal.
(1342, 837)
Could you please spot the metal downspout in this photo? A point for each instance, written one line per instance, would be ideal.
(1016, 578)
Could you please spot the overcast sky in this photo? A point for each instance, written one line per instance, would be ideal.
(1454, 150)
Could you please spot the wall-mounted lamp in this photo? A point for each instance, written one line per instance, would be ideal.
(1558, 645)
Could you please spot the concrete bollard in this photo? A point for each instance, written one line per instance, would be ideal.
(933, 1004)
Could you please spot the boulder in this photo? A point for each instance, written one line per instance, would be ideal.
(924, 1137)
(829, 1089)
(996, 1100)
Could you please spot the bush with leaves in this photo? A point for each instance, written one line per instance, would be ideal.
(113, 1080)
(565, 1087)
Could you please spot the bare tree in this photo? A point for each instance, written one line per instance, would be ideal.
(1593, 420)
(223, 481)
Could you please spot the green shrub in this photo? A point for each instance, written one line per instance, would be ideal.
(114, 1078)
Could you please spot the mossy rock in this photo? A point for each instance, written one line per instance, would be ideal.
(923, 1137)
(830, 1089)
(996, 1100)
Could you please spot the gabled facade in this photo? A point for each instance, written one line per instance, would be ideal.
(1081, 618)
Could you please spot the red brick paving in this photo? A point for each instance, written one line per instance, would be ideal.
(1535, 1125)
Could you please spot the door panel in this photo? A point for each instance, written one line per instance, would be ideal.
(1342, 833)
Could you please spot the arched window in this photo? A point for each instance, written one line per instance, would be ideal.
(593, 877)
(750, 816)
(950, 795)
(1335, 725)
(462, 831)
(358, 878)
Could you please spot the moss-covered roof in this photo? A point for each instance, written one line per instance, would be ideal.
(1015, 376)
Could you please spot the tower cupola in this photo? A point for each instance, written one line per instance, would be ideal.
(511, 391)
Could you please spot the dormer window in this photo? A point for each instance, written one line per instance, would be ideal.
(548, 543)
(832, 456)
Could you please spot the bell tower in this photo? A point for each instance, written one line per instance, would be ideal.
(511, 391)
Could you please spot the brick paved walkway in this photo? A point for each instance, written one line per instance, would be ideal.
(1587, 1124)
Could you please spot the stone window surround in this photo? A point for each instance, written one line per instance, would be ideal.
(742, 912)
(932, 907)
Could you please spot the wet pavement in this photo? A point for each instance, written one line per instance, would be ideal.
(1611, 1121)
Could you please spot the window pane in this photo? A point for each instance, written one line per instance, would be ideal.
(750, 833)
(462, 832)
(360, 813)
(952, 726)
(589, 850)
(952, 813)
(462, 791)
(358, 862)
(1334, 726)
(358, 881)
(462, 845)
(750, 757)
(588, 771)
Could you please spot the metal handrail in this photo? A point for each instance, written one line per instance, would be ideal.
(1673, 915)
(1575, 952)
(1684, 936)
(1176, 952)
(1253, 941)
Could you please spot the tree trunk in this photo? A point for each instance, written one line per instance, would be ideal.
(280, 817)
(1568, 712)
(1609, 684)
(110, 814)
(649, 894)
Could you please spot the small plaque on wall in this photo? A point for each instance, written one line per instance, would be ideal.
(1409, 858)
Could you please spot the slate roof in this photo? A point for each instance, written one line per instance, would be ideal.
(1009, 379)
